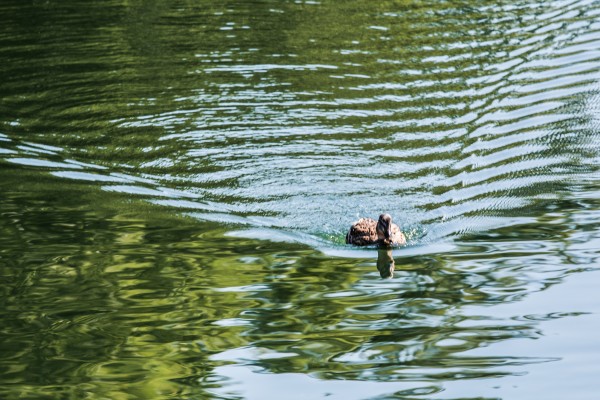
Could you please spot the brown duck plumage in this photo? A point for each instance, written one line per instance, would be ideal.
(367, 231)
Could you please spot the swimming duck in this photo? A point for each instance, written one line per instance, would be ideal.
(367, 231)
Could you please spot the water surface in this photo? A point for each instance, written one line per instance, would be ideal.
(176, 179)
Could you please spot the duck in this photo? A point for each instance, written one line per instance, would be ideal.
(383, 232)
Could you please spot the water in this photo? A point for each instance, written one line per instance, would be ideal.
(176, 179)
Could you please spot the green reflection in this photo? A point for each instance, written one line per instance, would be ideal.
(122, 302)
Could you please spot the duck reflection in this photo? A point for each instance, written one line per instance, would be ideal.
(385, 263)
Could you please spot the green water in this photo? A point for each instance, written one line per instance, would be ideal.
(177, 177)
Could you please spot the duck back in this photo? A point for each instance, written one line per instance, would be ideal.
(363, 232)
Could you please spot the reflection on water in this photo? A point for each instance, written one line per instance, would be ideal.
(104, 304)
(385, 263)
(176, 180)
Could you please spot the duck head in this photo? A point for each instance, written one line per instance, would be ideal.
(384, 228)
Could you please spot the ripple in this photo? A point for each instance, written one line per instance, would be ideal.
(456, 116)
(35, 162)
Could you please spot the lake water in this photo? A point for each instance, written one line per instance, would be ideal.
(177, 177)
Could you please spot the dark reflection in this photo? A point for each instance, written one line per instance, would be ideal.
(385, 263)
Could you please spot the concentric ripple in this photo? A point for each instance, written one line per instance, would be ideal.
(404, 110)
